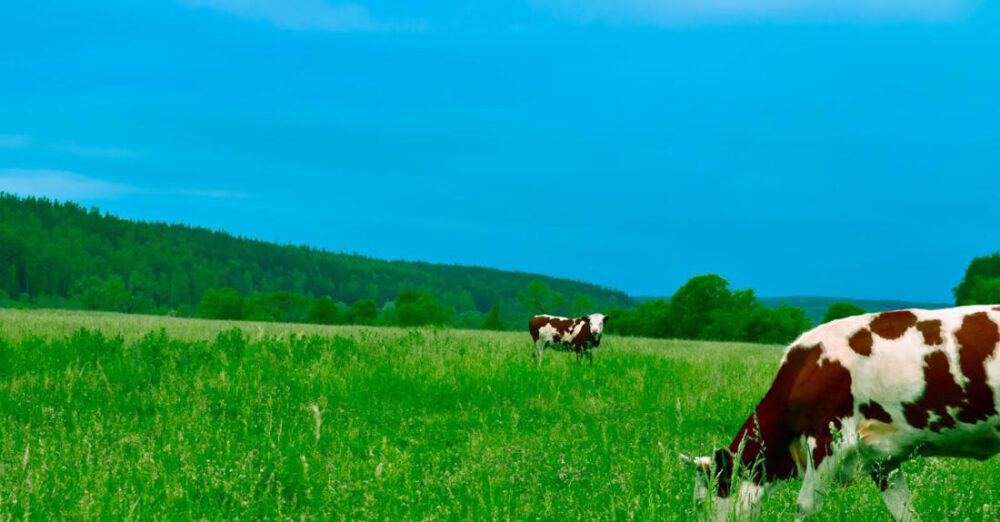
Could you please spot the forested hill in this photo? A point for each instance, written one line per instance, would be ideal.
(816, 307)
(61, 254)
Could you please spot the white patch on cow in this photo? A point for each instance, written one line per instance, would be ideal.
(749, 500)
(547, 333)
(744, 505)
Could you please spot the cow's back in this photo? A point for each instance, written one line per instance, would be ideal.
(903, 380)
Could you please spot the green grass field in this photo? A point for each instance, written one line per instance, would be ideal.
(158, 418)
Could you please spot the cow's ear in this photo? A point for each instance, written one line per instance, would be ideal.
(586, 318)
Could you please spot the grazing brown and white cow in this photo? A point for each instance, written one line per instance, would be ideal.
(859, 396)
(581, 335)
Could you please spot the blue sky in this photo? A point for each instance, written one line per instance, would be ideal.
(799, 147)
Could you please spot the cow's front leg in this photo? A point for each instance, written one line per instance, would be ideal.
(539, 348)
(812, 494)
(590, 356)
(895, 493)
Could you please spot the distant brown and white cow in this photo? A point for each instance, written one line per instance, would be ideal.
(581, 335)
(859, 396)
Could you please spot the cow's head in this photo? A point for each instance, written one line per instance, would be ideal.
(713, 489)
(596, 323)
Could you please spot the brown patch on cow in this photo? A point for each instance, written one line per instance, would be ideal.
(941, 393)
(932, 332)
(807, 396)
(996, 308)
(875, 411)
(977, 339)
(535, 324)
(583, 338)
(563, 325)
(861, 342)
(892, 325)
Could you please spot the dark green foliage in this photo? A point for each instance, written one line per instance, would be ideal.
(419, 308)
(538, 298)
(324, 311)
(981, 283)
(60, 254)
(693, 304)
(705, 308)
(363, 311)
(582, 304)
(221, 303)
(493, 320)
(285, 307)
(108, 294)
(816, 307)
(841, 310)
(984, 291)
(775, 326)
(650, 319)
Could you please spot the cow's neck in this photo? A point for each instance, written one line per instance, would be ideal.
(762, 447)
(763, 444)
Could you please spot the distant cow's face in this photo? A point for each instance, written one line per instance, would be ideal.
(597, 323)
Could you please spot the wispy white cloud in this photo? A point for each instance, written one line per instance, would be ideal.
(100, 152)
(66, 185)
(670, 12)
(15, 141)
(300, 15)
(58, 184)
(23, 141)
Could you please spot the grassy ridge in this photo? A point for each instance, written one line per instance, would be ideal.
(167, 418)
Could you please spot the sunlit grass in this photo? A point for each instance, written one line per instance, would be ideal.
(159, 418)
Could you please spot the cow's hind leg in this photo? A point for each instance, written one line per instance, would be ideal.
(896, 495)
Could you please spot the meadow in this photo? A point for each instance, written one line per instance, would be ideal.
(108, 416)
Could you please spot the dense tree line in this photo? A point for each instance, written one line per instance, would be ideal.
(981, 283)
(841, 310)
(409, 309)
(706, 308)
(62, 255)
